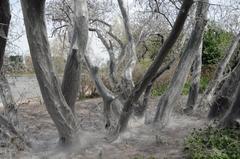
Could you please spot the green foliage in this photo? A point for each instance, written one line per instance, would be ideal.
(145, 63)
(186, 88)
(153, 44)
(215, 41)
(212, 143)
(203, 83)
(158, 90)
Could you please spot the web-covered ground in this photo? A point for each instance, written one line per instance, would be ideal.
(143, 141)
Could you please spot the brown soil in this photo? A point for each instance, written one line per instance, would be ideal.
(144, 141)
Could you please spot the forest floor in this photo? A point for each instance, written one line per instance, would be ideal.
(141, 142)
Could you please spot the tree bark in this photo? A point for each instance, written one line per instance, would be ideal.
(9, 119)
(9, 105)
(207, 98)
(195, 85)
(5, 17)
(60, 112)
(152, 70)
(234, 111)
(112, 59)
(168, 100)
(139, 111)
(71, 77)
(5, 91)
(224, 97)
(131, 57)
(105, 93)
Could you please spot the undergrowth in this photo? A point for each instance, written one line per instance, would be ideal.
(213, 143)
(161, 88)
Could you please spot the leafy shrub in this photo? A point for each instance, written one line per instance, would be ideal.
(212, 143)
(215, 41)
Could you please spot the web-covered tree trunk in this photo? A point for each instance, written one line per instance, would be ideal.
(9, 105)
(9, 119)
(107, 96)
(168, 100)
(5, 17)
(225, 96)
(130, 53)
(234, 111)
(57, 107)
(195, 85)
(153, 69)
(5, 91)
(207, 98)
(71, 77)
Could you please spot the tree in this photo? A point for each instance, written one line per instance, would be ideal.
(59, 105)
(5, 17)
(168, 100)
(8, 120)
(225, 96)
(152, 70)
(233, 112)
(5, 92)
(195, 85)
(208, 95)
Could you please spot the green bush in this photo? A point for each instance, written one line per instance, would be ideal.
(215, 42)
(212, 143)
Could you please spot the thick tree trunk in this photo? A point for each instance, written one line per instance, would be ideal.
(168, 100)
(152, 70)
(207, 98)
(195, 85)
(225, 96)
(5, 92)
(60, 112)
(71, 77)
(5, 17)
(9, 120)
(234, 111)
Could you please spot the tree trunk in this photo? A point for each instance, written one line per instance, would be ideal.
(152, 70)
(130, 54)
(9, 105)
(139, 111)
(112, 59)
(195, 85)
(5, 91)
(5, 17)
(60, 112)
(234, 111)
(209, 93)
(105, 93)
(71, 77)
(224, 97)
(168, 100)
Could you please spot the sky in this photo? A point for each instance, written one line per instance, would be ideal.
(22, 44)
